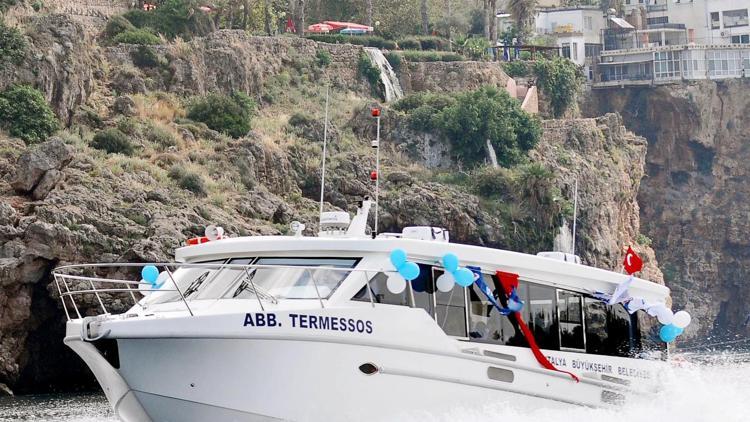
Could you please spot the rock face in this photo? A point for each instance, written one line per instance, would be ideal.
(695, 200)
(451, 76)
(38, 170)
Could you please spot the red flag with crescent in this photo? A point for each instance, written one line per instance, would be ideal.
(632, 263)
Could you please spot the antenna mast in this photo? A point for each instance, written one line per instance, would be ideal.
(575, 215)
(376, 145)
(325, 144)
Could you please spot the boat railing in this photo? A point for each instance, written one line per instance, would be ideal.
(74, 281)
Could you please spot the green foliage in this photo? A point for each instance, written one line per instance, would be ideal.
(560, 80)
(424, 108)
(489, 114)
(643, 240)
(6, 4)
(368, 70)
(228, 114)
(117, 25)
(25, 113)
(12, 46)
(490, 182)
(433, 43)
(411, 43)
(394, 59)
(476, 48)
(136, 36)
(145, 56)
(160, 136)
(323, 58)
(187, 179)
(113, 141)
(364, 40)
(173, 18)
(37, 5)
(517, 68)
(432, 56)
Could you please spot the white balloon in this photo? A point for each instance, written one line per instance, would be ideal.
(653, 309)
(145, 287)
(161, 280)
(665, 316)
(395, 283)
(681, 319)
(445, 282)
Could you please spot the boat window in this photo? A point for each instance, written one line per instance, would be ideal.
(380, 293)
(450, 308)
(618, 324)
(543, 322)
(487, 323)
(424, 288)
(217, 286)
(189, 279)
(570, 315)
(597, 334)
(287, 282)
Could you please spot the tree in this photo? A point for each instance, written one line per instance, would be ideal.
(560, 80)
(522, 12)
(12, 46)
(26, 114)
(229, 114)
(491, 117)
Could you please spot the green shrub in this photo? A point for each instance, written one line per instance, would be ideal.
(323, 58)
(173, 18)
(37, 5)
(136, 36)
(476, 48)
(117, 25)
(228, 114)
(26, 114)
(560, 80)
(433, 43)
(517, 68)
(491, 182)
(489, 114)
(139, 18)
(160, 136)
(113, 141)
(5, 4)
(187, 179)
(368, 70)
(410, 43)
(394, 59)
(12, 46)
(364, 40)
(432, 56)
(436, 100)
(145, 56)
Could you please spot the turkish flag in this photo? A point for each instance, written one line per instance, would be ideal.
(632, 263)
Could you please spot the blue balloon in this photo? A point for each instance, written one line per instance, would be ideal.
(409, 271)
(450, 262)
(515, 305)
(398, 258)
(669, 332)
(150, 273)
(464, 277)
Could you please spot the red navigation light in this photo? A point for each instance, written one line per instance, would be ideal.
(375, 112)
(373, 175)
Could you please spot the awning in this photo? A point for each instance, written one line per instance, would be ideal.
(621, 23)
(335, 26)
(319, 27)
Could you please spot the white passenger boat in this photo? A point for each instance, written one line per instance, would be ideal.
(307, 329)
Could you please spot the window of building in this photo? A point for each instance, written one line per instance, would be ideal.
(657, 20)
(666, 64)
(735, 18)
(570, 316)
(450, 308)
(715, 22)
(592, 50)
(741, 39)
(724, 63)
(575, 51)
(588, 22)
(566, 50)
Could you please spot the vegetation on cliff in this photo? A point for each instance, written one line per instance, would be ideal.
(25, 113)
(12, 45)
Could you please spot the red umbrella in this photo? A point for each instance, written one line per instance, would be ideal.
(319, 27)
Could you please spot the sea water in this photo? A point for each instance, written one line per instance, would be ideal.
(713, 387)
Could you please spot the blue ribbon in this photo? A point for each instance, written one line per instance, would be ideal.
(484, 288)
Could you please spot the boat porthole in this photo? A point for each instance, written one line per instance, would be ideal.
(368, 368)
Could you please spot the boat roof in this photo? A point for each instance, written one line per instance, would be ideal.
(530, 267)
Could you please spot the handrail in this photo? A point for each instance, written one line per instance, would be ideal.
(71, 273)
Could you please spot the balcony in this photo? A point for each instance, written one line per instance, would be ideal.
(656, 8)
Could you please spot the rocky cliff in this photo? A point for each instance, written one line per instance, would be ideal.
(64, 201)
(695, 201)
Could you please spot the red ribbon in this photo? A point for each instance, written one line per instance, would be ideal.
(509, 281)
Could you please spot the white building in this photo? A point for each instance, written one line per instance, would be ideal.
(707, 21)
(576, 30)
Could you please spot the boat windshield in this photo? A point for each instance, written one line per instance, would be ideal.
(288, 282)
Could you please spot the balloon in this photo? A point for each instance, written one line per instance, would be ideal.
(450, 263)
(681, 319)
(464, 277)
(409, 271)
(664, 315)
(395, 283)
(145, 287)
(669, 332)
(514, 305)
(446, 282)
(398, 258)
(150, 273)
(161, 279)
